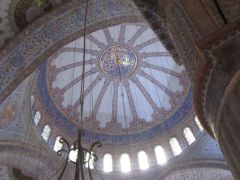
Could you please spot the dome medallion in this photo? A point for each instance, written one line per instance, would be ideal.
(118, 61)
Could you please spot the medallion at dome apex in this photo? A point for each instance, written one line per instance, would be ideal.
(118, 61)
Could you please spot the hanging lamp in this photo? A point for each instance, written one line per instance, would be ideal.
(84, 156)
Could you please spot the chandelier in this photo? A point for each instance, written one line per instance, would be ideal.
(81, 160)
(84, 156)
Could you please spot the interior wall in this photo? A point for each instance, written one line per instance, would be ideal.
(199, 173)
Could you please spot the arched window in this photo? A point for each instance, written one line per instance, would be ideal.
(107, 163)
(73, 155)
(46, 132)
(143, 160)
(91, 161)
(189, 135)
(125, 163)
(176, 148)
(160, 155)
(198, 124)
(37, 117)
(32, 100)
(57, 145)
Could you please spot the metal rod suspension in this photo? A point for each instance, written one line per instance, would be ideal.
(220, 11)
(80, 156)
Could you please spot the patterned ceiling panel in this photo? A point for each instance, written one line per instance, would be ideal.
(132, 84)
(6, 30)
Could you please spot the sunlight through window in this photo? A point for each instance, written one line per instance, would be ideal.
(189, 135)
(125, 163)
(198, 123)
(57, 145)
(143, 160)
(73, 155)
(160, 155)
(107, 163)
(46, 132)
(91, 161)
(176, 148)
(37, 117)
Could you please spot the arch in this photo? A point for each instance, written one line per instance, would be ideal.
(189, 135)
(125, 163)
(107, 163)
(143, 160)
(199, 125)
(46, 132)
(31, 155)
(58, 145)
(37, 117)
(53, 31)
(160, 155)
(176, 148)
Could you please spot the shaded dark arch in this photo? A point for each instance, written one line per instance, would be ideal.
(28, 150)
(15, 153)
(18, 59)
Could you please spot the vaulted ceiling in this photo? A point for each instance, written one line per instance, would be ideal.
(132, 84)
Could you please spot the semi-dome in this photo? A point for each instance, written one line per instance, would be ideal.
(134, 90)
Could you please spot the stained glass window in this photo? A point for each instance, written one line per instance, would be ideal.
(125, 163)
(46, 132)
(143, 160)
(160, 155)
(37, 117)
(198, 123)
(57, 145)
(107, 163)
(189, 135)
(176, 148)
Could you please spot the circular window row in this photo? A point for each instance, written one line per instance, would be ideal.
(125, 161)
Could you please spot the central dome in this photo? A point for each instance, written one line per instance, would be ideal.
(118, 61)
(132, 85)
